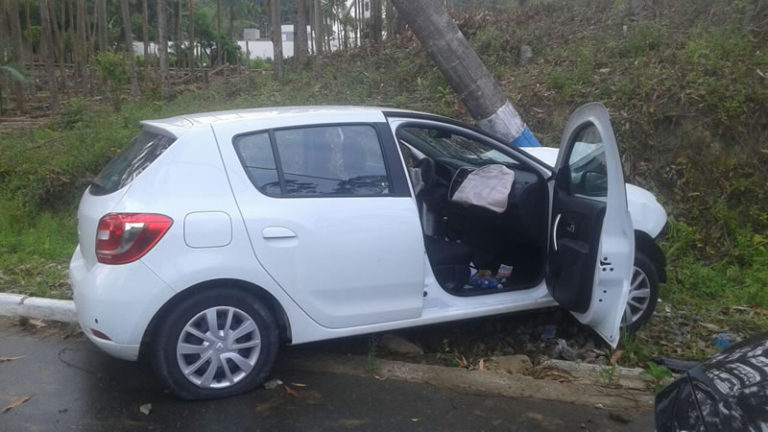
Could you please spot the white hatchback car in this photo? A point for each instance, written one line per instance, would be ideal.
(212, 238)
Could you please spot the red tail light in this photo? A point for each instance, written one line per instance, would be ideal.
(126, 237)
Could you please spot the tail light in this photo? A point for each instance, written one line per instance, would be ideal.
(126, 237)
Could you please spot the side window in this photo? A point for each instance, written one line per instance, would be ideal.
(255, 152)
(316, 161)
(332, 160)
(586, 163)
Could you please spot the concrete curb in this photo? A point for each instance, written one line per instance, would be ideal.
(484, 383)
(37, 308)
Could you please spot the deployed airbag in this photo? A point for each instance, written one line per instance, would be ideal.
(486, 187)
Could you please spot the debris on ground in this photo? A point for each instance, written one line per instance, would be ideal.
(512, 364)
(273, 384)
(146, 408)
(8, 359)
(17, 403)
(291, 392)
(398, 345)
(725, 340)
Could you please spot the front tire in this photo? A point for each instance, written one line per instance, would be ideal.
(218, 343)
(643, 294)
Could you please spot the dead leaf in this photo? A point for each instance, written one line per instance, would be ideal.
(145, 409)
(272, 384)
(17, 403)
(415, 419)
(291, 392)
(616, 356)
(7, 359)
(379, 378)
(535, 416)
(36, 323)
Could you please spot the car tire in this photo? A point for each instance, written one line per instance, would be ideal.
(196, 362)
(643, 294)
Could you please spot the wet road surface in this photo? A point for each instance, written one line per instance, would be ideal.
(75, 387)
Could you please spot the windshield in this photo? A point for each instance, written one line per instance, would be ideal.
(129, 163)
(440, 143)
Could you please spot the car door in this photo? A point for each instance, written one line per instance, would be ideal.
(332, 220)
(591, 248)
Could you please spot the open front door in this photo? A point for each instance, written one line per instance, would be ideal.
(591, 248)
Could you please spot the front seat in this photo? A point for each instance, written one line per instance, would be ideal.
(450, 262)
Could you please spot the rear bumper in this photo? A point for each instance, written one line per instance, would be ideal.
(117, 301)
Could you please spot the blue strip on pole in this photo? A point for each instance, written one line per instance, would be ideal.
(526, 139)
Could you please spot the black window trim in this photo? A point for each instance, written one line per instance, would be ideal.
(398, 185)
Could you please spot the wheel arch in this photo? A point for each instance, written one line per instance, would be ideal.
(270, 301)
(645, 243)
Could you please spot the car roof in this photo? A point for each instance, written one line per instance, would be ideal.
(179, 125)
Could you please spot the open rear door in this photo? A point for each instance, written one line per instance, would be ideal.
(591, 248)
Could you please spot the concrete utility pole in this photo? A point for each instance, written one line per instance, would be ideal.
(465, 72)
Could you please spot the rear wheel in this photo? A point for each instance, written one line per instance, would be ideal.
(219, 343)
(643, 293)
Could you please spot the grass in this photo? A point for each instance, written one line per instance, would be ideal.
(688, 96)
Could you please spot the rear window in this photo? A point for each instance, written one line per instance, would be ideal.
(129, 163)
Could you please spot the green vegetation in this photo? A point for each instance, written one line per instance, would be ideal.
(688, 93)
(660, 375)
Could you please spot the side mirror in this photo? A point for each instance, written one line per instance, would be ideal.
(594, 183)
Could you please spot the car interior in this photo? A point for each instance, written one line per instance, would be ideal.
(471, 247)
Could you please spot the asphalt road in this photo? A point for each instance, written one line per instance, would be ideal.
(75, 387)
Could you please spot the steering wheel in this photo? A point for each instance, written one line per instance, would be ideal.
(427, 168)
(458, 178)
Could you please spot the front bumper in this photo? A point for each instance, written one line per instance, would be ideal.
(117, 301)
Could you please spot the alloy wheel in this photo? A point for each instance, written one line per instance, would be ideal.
(639, 297)
(218, 347)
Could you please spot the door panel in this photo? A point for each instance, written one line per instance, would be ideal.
(591, 248)
(327, 222)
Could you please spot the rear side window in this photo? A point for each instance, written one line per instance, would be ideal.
(255, 152)
(339, 160)
(129, 163)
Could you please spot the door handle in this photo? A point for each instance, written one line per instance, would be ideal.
(277, 233)
(554, 230)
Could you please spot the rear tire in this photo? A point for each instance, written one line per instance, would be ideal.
(643, 294)
(218, 343)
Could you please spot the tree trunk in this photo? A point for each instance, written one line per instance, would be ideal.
(375, 27)
(300, 32)
(125, 16)
(101, 18)
(179, 33)
(390, 20)
(82, 41)
(219, 51)
(317, 26)
(162, 41)
(231, 29)
(28, 21)
(192, 59)
(14, 22)
(46, 49)
(464, 70)
(277, 37)
(145, 29)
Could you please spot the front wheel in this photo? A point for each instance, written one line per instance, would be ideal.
(219, 343)
(643, 294)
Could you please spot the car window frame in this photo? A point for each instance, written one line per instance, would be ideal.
(568, 163)
(397, 184)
